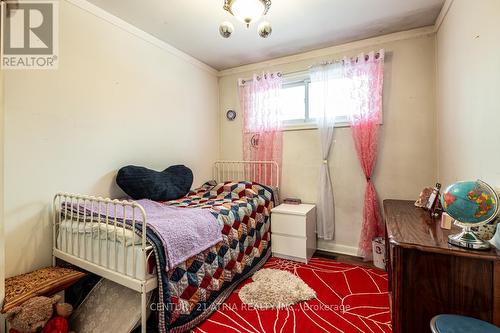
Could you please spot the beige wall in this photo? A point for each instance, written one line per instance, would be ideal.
(407, 159)
(468, 85)
(116, 99)
(2, 238)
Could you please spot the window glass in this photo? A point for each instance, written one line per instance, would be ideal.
(302, 101)
(293, 102)
(338, 91)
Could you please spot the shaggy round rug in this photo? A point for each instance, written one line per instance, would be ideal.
(275, 289)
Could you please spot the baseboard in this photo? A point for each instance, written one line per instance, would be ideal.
(337, 248)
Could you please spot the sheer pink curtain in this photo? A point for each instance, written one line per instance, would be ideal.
(262, 131)
(366, 74)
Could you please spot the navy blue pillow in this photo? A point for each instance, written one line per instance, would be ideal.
(142, 183)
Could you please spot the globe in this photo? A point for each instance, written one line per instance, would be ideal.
(470, 204)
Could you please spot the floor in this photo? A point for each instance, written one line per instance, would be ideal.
(351, 297)
(337, 279)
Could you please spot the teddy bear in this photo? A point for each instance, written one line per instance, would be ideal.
(59, 323)
(32, 315)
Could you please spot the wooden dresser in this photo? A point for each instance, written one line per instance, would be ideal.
(427, 276)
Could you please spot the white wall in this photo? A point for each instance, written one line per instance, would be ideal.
(407, 157)
(116, 99)
(468, 85)
(2, 238)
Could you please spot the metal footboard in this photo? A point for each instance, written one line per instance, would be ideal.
(102, 221)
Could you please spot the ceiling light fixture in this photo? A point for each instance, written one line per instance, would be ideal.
(248, 12)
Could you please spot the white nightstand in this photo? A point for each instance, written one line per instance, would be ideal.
(293, 231)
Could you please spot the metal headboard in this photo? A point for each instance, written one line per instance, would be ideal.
(264, 172)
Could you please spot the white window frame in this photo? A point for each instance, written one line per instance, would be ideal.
(306, 123)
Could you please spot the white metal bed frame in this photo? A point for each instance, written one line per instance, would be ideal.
(222, 171)
(264, 172)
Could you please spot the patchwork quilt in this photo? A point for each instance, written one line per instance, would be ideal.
(194, 289)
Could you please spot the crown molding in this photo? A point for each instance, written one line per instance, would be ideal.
(118, 22)
(442, 14)
(409, 34)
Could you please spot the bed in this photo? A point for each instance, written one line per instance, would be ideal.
(111, 238)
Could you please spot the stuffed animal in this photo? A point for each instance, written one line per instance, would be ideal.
(59, 324)
(32, 315)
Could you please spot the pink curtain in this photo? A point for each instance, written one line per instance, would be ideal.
(366, 73)
(262, 131)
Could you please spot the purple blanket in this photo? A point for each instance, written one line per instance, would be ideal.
(184, 232)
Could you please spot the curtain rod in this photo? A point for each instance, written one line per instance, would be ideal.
(304, 71)
(376, 55)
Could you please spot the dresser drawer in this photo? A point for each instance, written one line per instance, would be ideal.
(284, 224)
(289, 246)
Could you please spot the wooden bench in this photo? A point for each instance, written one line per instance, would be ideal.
(42, 282)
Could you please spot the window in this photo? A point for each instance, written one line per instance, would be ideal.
(298, 100)
(295, 103)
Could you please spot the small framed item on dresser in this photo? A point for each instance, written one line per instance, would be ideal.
(434, 204)
(293, 233)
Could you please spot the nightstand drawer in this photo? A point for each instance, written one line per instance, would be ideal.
(293, 225)
(289, 246)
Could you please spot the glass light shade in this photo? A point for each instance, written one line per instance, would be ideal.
(226, 29)
(248, 11)
(265, 29)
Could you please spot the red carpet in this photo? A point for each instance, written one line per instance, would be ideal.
(350, 299)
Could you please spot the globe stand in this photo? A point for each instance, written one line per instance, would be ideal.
(468, 239)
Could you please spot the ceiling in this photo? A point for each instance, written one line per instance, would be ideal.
(298, 25)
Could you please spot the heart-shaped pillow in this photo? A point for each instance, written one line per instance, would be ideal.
(142, 183)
